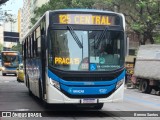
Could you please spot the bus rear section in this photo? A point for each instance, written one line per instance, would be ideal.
(10, 61)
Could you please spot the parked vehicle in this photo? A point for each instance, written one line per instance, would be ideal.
(147, 67)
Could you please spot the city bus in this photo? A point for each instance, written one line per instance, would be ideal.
(10, 61)
(66, 60)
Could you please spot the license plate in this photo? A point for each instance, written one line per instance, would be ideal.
(88, 100)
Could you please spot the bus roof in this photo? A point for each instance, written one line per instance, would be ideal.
(83, 10)
(73, 10)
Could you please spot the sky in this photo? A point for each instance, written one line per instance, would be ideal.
(13, 6)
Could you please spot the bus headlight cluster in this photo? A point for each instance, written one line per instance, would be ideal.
(119, 83)
(54, 83)
(3, 68)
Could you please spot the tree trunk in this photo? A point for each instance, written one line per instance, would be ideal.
(143, 41)
(151, 38)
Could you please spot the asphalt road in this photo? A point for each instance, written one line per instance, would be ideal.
(14, 98)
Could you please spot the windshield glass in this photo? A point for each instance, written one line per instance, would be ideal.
(96, 54)
(10, 60)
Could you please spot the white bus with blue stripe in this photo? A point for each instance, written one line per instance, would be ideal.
(76, 56)
(10, 61)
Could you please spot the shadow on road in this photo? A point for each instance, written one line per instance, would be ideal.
(70, 110)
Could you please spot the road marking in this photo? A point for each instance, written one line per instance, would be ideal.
(141, 101)
(21, 110)
(6, 81)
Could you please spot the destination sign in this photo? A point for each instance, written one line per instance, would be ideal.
(66, 61)
(86, 19)
(9, 53)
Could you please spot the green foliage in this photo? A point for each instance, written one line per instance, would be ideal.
(60, 4)
(17, 47)
(157, 38)
(142, 16)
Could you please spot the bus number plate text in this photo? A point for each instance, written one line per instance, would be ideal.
(88, 101)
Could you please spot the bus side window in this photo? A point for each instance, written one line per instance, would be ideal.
(38, 41)
(32, 46)
(39, 47)
(35, 45)
(29, 47)
(27, 52)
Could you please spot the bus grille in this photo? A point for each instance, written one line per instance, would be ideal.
(87, 78)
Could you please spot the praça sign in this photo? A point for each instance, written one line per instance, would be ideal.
(66, 61)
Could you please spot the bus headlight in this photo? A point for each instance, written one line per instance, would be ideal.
(119, 83)
(55, 83)
(3, 68)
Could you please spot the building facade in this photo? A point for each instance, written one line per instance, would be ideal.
(1, 35)
(20, 21)
(10, 25)
(26, 17)
(28, 12)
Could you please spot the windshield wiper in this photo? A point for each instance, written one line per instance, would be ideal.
(101, 36)
(75, 36)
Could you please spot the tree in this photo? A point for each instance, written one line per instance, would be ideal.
(142, 16)
(17, 47)
(60, 4)
(145, 20)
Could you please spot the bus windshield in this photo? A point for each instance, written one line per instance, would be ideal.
(10, 60)
(102, 50)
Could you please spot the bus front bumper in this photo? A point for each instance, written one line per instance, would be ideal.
(9, 71)
(56, 96)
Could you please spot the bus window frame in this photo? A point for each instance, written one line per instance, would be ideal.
(38, 41)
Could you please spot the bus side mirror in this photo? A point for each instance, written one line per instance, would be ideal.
(127, 46)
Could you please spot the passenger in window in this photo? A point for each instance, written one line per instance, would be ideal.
(106, 49)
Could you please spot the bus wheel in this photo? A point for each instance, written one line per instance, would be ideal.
(98, 106)
(30, 92)
(4, 74)
(145, 87)
(26, 80)
(40, 90)
(45, 104)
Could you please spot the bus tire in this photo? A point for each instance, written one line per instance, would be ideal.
(29, 91)
(146, 88)
(40, 90)
(98, 106)
(26, 80)
(45, 104)
(4, 74)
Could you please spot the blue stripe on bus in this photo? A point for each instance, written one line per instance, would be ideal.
(84, 83)
(88, 90)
